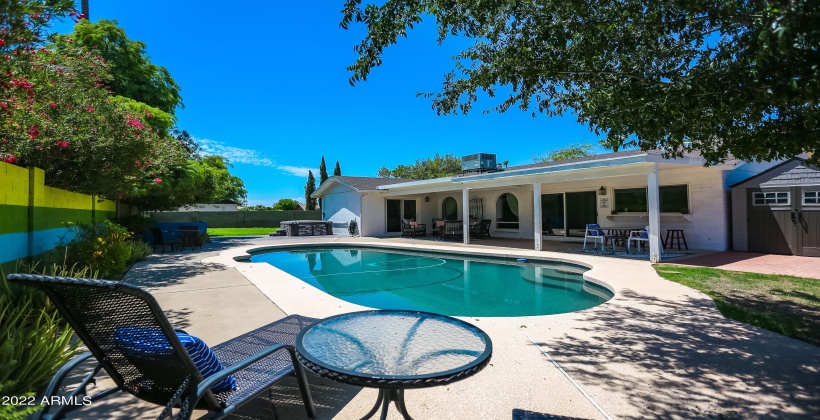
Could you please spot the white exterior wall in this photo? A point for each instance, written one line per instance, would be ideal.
(374, 215)
(341, 205)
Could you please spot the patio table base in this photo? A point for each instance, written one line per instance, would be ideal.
(383, 401)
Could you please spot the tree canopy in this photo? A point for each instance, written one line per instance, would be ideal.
(135, 76)
(286, 204)
(570, 152)
(436, 167)
(722, 78)
(337, 171)
(201, 180)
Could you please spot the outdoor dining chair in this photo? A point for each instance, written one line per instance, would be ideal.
(594, 232)
(132, 340)
(639, 237)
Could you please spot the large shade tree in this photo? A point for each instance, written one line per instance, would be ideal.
(428, 168)
(730, 77)
(134, 75)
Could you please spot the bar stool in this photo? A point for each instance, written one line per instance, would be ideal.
(673, 235)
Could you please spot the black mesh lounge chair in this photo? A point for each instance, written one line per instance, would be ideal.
(99, 310)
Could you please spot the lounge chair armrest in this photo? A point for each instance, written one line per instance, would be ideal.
(230, 370)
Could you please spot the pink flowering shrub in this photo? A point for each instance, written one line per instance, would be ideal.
(56, 114)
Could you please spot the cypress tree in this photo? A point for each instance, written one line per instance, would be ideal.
(310, 188)
(338, 170)
(322, 172)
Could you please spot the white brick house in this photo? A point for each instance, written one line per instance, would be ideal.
(663, 193)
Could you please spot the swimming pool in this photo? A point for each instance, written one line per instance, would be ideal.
(455, 285)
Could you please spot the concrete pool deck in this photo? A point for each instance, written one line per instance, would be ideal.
(657, 349)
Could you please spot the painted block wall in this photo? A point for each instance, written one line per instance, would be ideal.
(33, 216)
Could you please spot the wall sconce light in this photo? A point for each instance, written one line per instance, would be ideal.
(602, 191)
(427, 199)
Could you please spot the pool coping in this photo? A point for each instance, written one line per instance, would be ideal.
(589, 346)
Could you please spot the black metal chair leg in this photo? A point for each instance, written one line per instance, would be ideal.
(376, 407)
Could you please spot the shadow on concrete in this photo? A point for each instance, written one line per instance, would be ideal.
(519, 414)
(692, 362)
(284, 401)
(168, 269)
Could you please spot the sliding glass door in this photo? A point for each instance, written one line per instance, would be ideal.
(567, 214)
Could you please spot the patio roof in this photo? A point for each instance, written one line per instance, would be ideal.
(604, 165)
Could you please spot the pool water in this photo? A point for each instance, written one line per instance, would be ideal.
(449, 285)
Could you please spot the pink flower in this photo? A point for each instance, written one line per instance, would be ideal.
(33, 132)
(135, 123)
(157, 180)
(9, 158)
(90, 109)
(52, 104)
(38, 147)
(62, 144)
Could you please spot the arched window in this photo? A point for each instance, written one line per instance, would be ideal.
(449, 209)
(506, 212)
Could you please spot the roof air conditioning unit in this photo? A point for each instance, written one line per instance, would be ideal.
(478, 162)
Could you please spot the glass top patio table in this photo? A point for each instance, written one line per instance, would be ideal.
(393, 350)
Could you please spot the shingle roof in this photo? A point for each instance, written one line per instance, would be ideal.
(363, 183)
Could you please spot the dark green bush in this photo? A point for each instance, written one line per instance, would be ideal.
(138, 251)
(101, 246)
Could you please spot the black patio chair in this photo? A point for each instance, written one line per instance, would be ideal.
(160, 239)
(485, 228)
(190, 236)
(160, 370)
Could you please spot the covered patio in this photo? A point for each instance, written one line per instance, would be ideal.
(555, 202)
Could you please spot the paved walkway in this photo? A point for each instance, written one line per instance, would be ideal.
(753, 262)
(656, 350)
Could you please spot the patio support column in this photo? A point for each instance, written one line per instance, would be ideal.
(653, 202)
(465, 214)
(536, 215)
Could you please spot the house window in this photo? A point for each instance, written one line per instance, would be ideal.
(811, 197)
(774, 198)
(673, 199)
(449, 209)
(630, 200)
(506, 212)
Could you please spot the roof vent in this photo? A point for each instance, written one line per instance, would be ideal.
(479, 162)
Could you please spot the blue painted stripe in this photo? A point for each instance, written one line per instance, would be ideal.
(15, 245)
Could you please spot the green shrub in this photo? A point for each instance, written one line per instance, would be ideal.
(137, 251)
(35, 339)
(137, 223)
(101, 246)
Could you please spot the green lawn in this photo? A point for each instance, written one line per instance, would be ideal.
(784, 304)
(254, 231)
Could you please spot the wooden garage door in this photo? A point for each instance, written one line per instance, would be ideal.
(769, 221)
(808, 216)
(784, 221)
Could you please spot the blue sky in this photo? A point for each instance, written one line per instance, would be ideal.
(267, 88)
